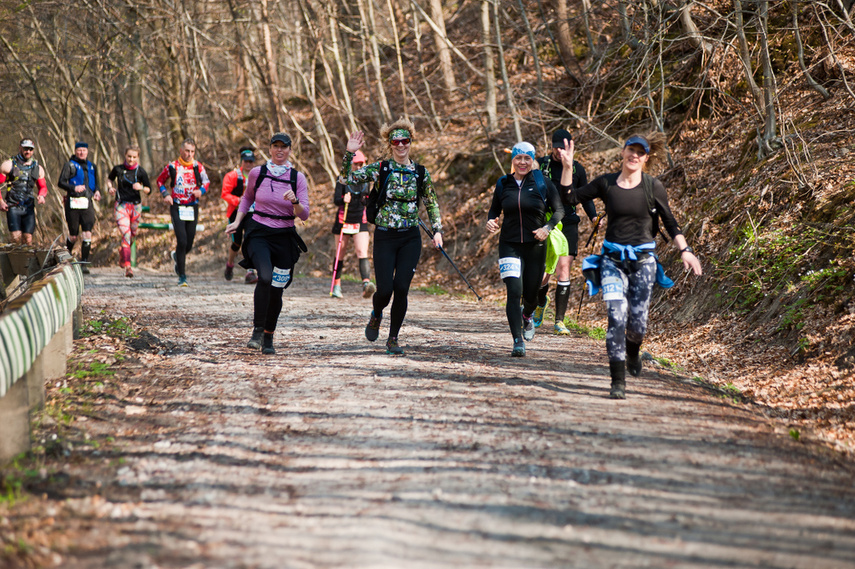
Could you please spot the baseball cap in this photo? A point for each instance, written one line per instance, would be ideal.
(359, 157)
(247, 156)
(27, 143)
(558, 137)
(641, 141)
(281, 137)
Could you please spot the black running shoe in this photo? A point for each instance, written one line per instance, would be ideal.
(257, 338)
(519, 348)
(392, 347)
(372, 329)
(230, 272)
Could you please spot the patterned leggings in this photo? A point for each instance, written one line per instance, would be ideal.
(629, 311)
(128, 220)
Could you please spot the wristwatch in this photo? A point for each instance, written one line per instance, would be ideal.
(296, 201)
(687, 249)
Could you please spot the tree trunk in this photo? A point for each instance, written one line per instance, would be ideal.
(745, 57)
(442, 49)
(794, 5)
(509, 93)
(368, 27)
(489, 68)
(565, 42)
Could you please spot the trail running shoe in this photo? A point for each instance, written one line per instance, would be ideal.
(372, 329)
(230, 272)
(256, 339)
(618, 389)
(633, 365)
(560, 329)
(84, 267)
(519, 349)
(182, 281)
(528, 328)
(174, 262)
(267, 345)
(368, 289)
(392, 347)
(129, 272)
(538, 315)
(251, 277)
(336, 291)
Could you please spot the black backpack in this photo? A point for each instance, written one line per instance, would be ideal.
(263, 173)
(377, 196)
(196, 175)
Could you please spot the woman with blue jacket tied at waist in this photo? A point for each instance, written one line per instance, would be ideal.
(397, 240)
(523, 199)
(628, 266)
(271, 244)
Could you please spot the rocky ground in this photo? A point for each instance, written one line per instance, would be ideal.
(173, 445)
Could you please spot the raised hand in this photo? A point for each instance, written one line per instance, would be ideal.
(356, 140)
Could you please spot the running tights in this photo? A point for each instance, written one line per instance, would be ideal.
(532, 258)
(396, 254)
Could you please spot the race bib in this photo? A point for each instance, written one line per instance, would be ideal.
(510, 267)
(186, 213)
(350, 228)
(612, 288)
(79, 203)
(281, 277)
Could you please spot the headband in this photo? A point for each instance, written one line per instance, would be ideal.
(399, 133)
(522, 148)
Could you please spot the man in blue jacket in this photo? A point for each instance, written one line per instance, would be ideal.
(79, 179)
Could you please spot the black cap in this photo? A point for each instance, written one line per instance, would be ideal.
(247, 155)
(80, 144)
(281, 137)
(558, 137)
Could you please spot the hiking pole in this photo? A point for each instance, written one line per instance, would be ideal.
(462, 276)
(338, 249)
(588, 242)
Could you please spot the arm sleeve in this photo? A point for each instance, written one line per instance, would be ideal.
(338, 195)
(229, 184)
(588, 192)
(114, 173)
(496, 202)
(367, 173)
(64, 176)
(2, 177)
(248, 197)
(206, 182)
(431, 204)
(554, 203)
(668, 220)
(143, 178)
(303, 195)
(162, 179)
(42, 184)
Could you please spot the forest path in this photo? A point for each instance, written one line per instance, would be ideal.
(333, 454)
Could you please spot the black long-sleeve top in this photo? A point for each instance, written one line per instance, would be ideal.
(554, 169)
(125, 179)
(523, 208)
(629, 221)
(356, 207)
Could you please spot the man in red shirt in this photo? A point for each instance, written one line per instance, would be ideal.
(187, 182)
(23, 173)
(234, 184)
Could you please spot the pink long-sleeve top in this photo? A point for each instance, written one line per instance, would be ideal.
(268, 198)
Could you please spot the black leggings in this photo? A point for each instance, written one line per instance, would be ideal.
(396, 254)
(532, 258)
(185, 233)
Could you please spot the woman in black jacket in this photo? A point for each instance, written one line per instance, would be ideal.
(523, 199)
(628, 265)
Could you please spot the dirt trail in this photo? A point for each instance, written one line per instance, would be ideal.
(333, 454)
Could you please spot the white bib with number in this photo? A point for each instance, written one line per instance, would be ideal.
(350, 228)
(510, 267)
(186, 213)
(281, 277)
(612, 288)
(79, 203)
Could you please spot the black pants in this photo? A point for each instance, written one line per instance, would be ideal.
(237, 236)
(185, 233)
(396, 254)
(265, 248)
(532, 258)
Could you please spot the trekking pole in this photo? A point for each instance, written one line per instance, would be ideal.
(588, 242)
(338, 248)
(462, 276)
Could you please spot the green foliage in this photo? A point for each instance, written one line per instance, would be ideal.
(596, 332)
(433, 289)
(795, 434)
(119, 328)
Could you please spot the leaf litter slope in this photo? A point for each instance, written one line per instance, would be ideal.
(333, 454)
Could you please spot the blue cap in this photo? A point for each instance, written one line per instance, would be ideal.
(639, 140)
(81, 144)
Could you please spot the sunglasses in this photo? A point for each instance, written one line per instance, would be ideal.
(401, 142)
(26, 149)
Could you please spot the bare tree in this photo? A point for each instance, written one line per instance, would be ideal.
(489, 68)
(441, 41)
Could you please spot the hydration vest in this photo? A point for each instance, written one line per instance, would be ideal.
(237, 191)
(22, 181)
(81, 176)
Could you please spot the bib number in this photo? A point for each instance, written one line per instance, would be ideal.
(350, 228)
(281, 277)
(186, 213)
(612, 288)
(510, 267)
(79, 203)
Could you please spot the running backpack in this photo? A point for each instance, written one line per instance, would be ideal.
(196, 174)
(263, 173)
(377, 197)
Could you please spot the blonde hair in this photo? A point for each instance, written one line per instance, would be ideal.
(657, 142)
(387, 129)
